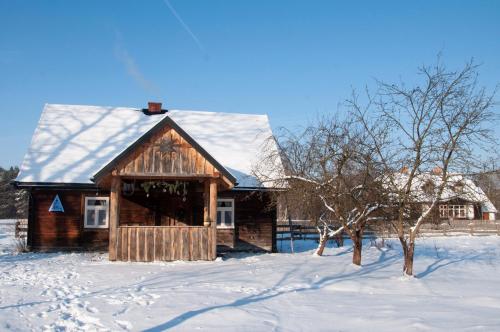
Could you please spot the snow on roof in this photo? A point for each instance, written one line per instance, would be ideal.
(73, 142)
(458, 187)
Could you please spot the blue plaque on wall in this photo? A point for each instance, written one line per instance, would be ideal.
(56, 205)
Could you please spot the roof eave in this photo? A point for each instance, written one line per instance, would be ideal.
(53, 185)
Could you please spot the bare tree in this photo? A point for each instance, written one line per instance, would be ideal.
(437, 125)
(330, 174)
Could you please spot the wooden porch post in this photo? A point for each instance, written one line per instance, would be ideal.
(206, 204)
(114, 215)
(213, 218)
(213, 201)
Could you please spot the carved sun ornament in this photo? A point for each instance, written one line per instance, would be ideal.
(169, 146)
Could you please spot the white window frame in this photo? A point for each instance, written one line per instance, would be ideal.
(455, 211)
(96, 208)
(225, 209)
(443, 211)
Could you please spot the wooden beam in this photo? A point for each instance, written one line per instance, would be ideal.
(192, 176)
(114, 215)
(206, 204)
(212, 246)
(213, 201)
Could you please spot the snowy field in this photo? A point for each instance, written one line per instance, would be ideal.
(457, 288)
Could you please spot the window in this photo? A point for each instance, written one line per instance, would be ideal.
(96, 212)
(225, 213)
(452, 211)
(443, 211)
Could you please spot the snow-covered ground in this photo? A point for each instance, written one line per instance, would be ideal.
(457, 288)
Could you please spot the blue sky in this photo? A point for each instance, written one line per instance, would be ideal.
(290, 59)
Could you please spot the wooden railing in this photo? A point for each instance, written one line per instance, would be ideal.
(165, 243)
(21, 230)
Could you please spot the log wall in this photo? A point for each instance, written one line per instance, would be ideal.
(164, 243)
(226, 237)
(255, 223)
(56, 230)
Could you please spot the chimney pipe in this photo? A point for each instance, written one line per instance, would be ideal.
(154, 107)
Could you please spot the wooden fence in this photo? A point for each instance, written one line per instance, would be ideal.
(473, 227)
(21, 229)
(305, 229)
(165, 243)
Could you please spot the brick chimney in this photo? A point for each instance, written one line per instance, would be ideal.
(437, 171)
(154, 107)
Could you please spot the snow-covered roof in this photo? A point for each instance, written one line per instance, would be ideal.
(73, 142)
(458, 187)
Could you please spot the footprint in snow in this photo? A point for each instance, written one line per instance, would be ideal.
(42, 314)
(93, 310)
(154, 296)
(126, 325)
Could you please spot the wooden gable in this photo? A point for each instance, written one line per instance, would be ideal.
(166, 154)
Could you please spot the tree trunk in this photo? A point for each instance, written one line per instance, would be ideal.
(357, 246)
(339, 240)
(408, 256)
(323, 239)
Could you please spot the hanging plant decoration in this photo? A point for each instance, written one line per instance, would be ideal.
(179, 188)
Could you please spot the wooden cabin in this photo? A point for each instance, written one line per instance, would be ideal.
(461, 197)
(147, 184)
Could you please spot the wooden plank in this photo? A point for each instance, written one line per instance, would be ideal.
(128, 243)
(147, 161)
(176, 246)
(151, 159)
(180, 156)
(124, 242)
(145, 244)
(114, 215)
(189, 163)
(150, 239)
(157, 160)
(158, 244)
(150, 236)
(197, 168)
(140, 244)
(133, 244)
(195, 244)
(166, 244)
(118, 244)
(204, 244)
(185, 243)
(171, 244)
(209, 242)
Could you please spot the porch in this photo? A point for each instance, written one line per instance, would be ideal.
(163, 198)
(160, 225)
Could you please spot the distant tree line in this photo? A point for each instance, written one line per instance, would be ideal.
(13, 202)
